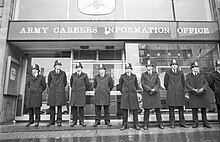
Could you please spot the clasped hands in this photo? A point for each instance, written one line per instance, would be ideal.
(152, 91)
(199, 91)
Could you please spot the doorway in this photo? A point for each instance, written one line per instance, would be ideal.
(112, 56)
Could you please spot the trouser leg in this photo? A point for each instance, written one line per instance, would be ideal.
(98, 113)
(146, 116)
(158, 116)
(37, 114)
(218, 111)
(81, 114)
(171, 115)
(135, 117)
(181, 116)
(59, 114)
(125, 117)
(74, 114)
(52, 114)
(106, 113)
(195, 116)
(204, 117)
(31, 115)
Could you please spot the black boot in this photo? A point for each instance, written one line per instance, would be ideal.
(29, 123)
(108, 123)
(82, 123)
(96, 123)
(36, 124)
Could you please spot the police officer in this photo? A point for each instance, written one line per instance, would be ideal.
(214, 83)
(35, 85)
(151, 97)
(196, 84)
(174, 83)
(79, 83)
(57, 81)
(128, 85)
(103, 84)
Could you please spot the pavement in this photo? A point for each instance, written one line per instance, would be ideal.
(19, 124)
(16, 131)
(103, 133)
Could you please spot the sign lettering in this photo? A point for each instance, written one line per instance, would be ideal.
(108, 30)
(99, 30)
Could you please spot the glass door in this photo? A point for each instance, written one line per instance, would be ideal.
(114, 67)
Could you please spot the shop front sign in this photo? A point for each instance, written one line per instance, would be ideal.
(112, 30)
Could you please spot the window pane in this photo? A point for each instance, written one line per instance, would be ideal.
(109, 54)
(85, 54)
(42, 9)
(193, 10)
(148, 9)
(204, 54)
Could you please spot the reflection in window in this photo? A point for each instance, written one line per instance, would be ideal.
(193, 10)
(161, 54)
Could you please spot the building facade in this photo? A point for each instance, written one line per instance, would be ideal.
(112, 32)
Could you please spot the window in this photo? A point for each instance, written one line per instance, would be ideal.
(110, 54)
(148, 10)
(41, 9)
(193, 10)
(161, 54)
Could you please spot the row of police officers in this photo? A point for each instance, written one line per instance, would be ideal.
(174, 82)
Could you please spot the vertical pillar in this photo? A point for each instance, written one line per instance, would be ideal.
(7, 103)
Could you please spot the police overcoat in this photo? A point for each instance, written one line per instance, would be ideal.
(79, 85)
(35, 87)
(103, 86)
(128, 85)
(214, 83)
(56, 86)
(148, 82)
(197, 100)
(174, 84)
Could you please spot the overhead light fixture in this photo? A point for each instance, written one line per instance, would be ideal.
(84, 47)
(109, 47)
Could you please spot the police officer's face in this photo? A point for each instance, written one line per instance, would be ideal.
(34, 71)
(174, 67)
(58, 67)
(78, 69)
(149, 68)
(128, 70)
(195, 69)
(101, 71)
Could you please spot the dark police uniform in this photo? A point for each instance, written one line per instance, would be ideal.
(151, 99)
(35, 87)
(197, 99)
(56, 97)
(214, 83)
(174, 83)
(103, 85)
(128, 85)
(79, 84)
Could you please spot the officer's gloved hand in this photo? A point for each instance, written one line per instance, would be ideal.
(201, 91)
(152, 91)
